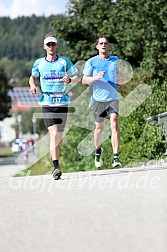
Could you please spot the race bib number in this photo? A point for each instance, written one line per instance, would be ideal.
(56, 99)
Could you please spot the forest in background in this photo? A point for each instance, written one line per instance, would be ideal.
(138, 34)
(21, 42)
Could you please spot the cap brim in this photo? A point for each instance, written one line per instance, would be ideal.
(49, 40)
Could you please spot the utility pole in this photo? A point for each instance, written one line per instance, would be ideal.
(19, 119)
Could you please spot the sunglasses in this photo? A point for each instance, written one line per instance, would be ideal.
(51, 44)
(101, 43)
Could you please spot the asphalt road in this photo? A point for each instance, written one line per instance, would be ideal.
(9, 166)
(120, 210)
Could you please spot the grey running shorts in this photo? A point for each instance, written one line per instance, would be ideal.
(104, 109)
(55, 115)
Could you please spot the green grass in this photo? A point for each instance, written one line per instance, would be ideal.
(7, 154)
(42, 167)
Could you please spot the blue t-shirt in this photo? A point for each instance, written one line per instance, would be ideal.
(51, 73)
(104, 89)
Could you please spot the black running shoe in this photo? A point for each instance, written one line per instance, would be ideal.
(57, 173)
(98, 159)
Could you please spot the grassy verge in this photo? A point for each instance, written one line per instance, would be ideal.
(7, 154)
(41, 167)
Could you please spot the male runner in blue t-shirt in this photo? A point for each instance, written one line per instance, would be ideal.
(102, 72)
(55, 73)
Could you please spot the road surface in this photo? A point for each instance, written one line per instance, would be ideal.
(9, 166)
(121, 210)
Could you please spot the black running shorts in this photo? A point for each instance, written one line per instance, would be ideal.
(55, 115)
(104, 109)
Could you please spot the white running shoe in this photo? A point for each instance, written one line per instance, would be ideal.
(116, 163)
(98, 159)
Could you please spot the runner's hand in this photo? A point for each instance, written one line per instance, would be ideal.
(66, 79)
(100, 75)
(33, 90)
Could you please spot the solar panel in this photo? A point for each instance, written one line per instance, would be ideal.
(23, 97)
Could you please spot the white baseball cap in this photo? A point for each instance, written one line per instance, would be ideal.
(50, 39)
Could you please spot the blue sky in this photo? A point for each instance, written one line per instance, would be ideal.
(16, 8)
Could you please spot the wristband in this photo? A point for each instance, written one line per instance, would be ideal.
(69, 80)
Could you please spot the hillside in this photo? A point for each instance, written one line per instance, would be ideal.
(22, 38)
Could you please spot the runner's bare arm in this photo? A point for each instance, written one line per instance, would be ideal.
(86, 80)
(33, 89)
(70, 80)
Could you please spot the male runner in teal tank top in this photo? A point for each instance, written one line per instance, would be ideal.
(55, 73)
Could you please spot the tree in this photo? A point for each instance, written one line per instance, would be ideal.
(24, 36)
(80, 28)
(5, 100)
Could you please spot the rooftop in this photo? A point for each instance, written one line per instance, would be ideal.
(22, 99)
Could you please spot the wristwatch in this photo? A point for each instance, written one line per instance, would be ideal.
(69, 80)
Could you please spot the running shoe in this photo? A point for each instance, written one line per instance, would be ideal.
(98, 158)
(116, 163)
(57, 173)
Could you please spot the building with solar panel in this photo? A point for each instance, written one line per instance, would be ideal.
(22, 101)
